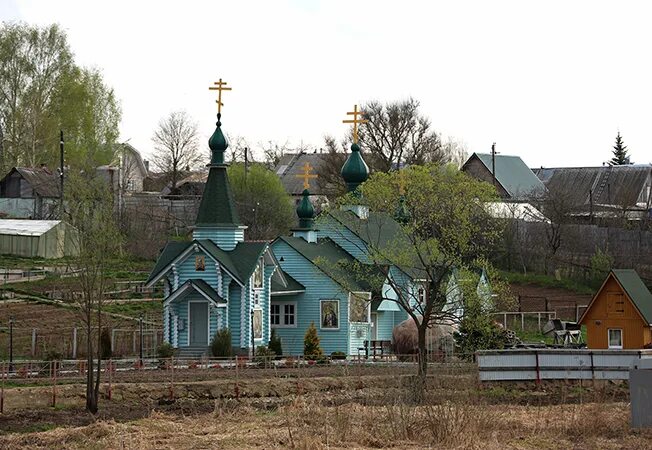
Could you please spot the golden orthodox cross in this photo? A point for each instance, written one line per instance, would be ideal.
(219, 87)
(355, 121)
(306, 175)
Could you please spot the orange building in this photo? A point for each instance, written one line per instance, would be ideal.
(620, 314)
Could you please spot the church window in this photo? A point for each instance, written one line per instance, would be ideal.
(421, 296)
(200, 263)
(283, 314)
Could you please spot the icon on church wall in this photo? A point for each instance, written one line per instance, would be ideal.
(200, 263)
(330, 314)
(258, 324)
(258, 275)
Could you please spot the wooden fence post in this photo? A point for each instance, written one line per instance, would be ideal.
(2, 389)
(74, 343)
(33, 342)
(53, 365)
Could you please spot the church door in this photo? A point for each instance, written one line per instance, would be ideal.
(198, 320)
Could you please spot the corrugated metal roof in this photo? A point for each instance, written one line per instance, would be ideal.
(513, 174)
(19, 227)
(291, 165)
(618, 186)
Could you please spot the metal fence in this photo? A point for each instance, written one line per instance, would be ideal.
(556, 364)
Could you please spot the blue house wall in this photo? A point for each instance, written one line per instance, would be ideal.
(318, 287)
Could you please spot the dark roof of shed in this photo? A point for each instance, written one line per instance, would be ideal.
(512, 174)
(42, 180)
(610, 185)
(636, 291)
(291, 165)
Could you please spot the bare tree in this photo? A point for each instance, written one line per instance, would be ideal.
(90, 211)
(396, 134)
(176, 145)
(274, 152)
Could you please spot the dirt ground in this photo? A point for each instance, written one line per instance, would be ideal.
(373, 408)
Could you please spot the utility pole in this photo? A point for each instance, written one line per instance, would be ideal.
(2, 152)
(61, 174)
(11, 343)
(493, 163)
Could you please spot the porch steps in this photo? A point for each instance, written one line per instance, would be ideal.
(193, 351)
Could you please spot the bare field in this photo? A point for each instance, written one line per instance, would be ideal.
(302, 409)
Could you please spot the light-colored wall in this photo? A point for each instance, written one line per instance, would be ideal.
(318, 287)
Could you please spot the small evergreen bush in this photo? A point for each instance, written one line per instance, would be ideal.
(221, 343)
(105, 344)
(311, 348)
(275, 344)
(165, 350)
(338, 355)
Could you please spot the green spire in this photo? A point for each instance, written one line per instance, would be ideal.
(218, 143)
(217, 207)
(305, 211)
(354, 171)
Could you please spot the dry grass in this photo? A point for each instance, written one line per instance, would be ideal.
(307, 424)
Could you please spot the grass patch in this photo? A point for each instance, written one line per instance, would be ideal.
(577, 286)
(134, 309)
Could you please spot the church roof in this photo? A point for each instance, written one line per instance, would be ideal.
(379, 230)
(329, 257)
(239, 262)
(293, 286)
(217, 207)
(291, 165)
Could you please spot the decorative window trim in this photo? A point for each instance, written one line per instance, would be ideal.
(339, 314)
(259, 272)
(617, 347)
(281, 314)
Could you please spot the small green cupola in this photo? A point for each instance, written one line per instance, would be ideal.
(354, 171)
(218, 143)
(306, 214)
(306, 211)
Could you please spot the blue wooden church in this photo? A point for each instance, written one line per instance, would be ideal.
(218, 279)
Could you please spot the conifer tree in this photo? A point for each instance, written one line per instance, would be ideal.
(311, 348)
(620, 157)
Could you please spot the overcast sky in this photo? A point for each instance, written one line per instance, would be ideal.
(551, 81)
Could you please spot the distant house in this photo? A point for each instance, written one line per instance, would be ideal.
(603, 191)
(620, 314)
(37, 238)
(292, 165)
(133, 169)
(29, 193)
(514, 179)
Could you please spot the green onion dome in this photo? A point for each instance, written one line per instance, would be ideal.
(305, 211)
(218, 143)
(354, 171)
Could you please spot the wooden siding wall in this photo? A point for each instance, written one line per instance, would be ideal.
(235, 292)
(318, 287)
(636, 333)
(342, 236)
(225, 238)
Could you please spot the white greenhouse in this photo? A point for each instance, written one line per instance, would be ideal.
(37, 238)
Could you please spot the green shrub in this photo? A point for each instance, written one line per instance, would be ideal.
(221, 343)
(311, 348)
(105, 344)
(264, 355)
(338, 355)
(165, 350)
(53, 355)
(275, 343)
